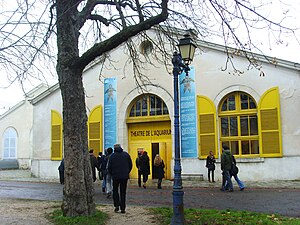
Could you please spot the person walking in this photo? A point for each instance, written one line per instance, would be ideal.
(159, 170)
(226, 162)
(94, 163)
(61, 170)
(103, 170)
(119, 166)
(109, 181)
(137, 164)
(145, 167)
(100, 159)
(210, 165)
(234, 172)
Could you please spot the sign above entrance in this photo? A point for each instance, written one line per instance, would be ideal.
(149, 131)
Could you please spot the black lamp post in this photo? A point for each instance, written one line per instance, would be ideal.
(180, 63)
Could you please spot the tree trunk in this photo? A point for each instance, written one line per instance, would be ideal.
(78, 197)
(78, 189)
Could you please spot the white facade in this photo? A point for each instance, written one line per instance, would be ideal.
(34, 133)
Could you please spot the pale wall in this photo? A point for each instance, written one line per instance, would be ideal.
(211, 82)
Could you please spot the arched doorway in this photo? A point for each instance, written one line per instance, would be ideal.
(149, 129)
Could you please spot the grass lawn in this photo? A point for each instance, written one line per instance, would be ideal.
(224, 217)
(163, 216)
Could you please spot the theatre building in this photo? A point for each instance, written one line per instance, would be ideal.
(252, 110)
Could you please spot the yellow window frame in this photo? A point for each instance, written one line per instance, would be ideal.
(238, 113)
(95, 127)
(56, 136)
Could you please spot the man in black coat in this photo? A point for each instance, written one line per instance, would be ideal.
(119, 166)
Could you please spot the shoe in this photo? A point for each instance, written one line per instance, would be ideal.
(214, 181)
(144, 186)
(122, 211)
(242, 189)
(103, 189)
(222, 189)
(108, 195)
(116, 209)
(230, 190)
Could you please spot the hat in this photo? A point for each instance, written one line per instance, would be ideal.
(117, 146)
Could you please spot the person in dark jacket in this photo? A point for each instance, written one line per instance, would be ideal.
(119, 166)
(226, 163)
(94, 163)
(61, 170)
(137, 164)
(210, 165)
(145, 167)
(159, 169)
(102, 170)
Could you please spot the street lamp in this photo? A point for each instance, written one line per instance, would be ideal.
(180, 63)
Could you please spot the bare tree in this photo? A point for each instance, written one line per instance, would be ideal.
(72, 22)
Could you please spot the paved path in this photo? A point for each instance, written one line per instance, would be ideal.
(280, 198)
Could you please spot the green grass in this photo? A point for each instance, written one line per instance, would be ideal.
(57, 218)
(223, 217)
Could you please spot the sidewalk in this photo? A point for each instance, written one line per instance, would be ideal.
(25, 175)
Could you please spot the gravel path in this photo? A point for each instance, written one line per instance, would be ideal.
(32, 212)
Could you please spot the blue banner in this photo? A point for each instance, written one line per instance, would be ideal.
(188, 115)
(110, 112)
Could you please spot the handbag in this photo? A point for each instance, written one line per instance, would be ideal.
(234, 169)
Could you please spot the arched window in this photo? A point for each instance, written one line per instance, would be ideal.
(239, 124)
(10, 139)
(148, 105)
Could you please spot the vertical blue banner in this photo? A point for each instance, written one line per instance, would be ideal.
(187, 105)
(110, 112)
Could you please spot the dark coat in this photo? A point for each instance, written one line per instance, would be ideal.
(226, 160)
(210, 163)
(119, 164)
(159, 170)
(144, 165)
(61, 167)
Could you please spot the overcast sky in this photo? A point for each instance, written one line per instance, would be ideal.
(288, 51)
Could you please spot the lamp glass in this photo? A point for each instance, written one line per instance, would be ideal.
(187, 49)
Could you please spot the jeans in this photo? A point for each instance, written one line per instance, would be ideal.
(104, 182)
(227, 180)
(109, 183)
(239, 182)
(120, 199)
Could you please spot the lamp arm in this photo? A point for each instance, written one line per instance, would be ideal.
(178, 64)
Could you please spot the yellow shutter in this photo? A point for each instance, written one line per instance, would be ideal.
(95, 129)
(269, 124)
(207, 127)
(56, 135)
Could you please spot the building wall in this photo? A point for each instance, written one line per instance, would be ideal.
(210, 81)
(20, 119)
